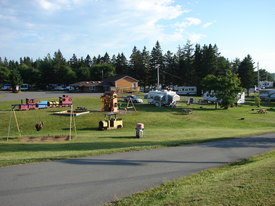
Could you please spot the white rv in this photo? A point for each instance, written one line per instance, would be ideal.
(210, 97)
(186, 90)
(163, 97)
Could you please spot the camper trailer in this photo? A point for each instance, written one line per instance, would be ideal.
(186, 90)
(162, 97)
(210, 97)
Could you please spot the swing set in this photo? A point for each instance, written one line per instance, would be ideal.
(39, 125)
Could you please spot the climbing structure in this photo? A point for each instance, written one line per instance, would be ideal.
(109, 101)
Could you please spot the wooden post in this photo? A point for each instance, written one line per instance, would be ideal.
(17, 125)
(9, 128)
(71, 117)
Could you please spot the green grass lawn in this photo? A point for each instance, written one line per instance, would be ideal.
(163, 127)
(247, 182)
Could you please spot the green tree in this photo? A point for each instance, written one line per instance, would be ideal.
(185, 69)
(46, 70)
(136, 64)
(62, 72)
(235, 65)
(29, 74)
(4, 74)
(156, 61)
(121, 64)
(83, 73)
(226, 88)
(224, 66)
(170, 69)
(247, 74)
(265, 75)
(15, 79)
(101, 71)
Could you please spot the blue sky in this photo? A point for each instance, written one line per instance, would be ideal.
(35, 28)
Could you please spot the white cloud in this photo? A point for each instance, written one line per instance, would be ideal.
(193, 21)
(53, 5)
(188, 22)
(143, 20)
(195, 37)
(46, 4)
(206, 25)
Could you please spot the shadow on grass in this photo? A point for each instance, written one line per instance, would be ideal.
(85, 129)
(242, 162)
(257, 142)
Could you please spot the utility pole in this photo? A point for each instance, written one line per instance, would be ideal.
(158, 75)
(258, 76)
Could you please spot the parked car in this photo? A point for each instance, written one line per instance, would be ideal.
(134, 98)
(70, 88)
(7, 87)
(59, 88)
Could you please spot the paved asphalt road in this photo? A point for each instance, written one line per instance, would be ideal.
(101, 179)
(7, 96)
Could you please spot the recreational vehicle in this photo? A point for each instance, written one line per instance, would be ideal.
(187, 90)
(210, 97)
(163, 97)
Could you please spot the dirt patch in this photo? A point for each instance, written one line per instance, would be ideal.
(45, 139)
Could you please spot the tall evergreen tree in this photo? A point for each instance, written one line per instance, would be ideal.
(223, 66)
(156, 62)
(136, 63)
(186, 64)
(106, 58)
(121, 64)
(197, 64)
(170, 69)
(246, 73)
(235, 65)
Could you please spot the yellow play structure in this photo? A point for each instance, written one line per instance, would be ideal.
(109, 101)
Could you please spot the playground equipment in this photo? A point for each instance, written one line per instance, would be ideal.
(109, 101)
(110, 122)
(77, 112)
(160, 98)
(64, 101)
(32, 104)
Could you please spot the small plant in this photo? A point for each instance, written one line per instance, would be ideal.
(257, 101)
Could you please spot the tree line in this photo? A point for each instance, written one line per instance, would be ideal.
(187, 67)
